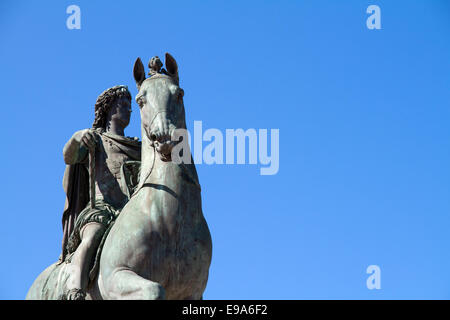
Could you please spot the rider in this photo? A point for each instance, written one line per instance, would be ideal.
(115, 176)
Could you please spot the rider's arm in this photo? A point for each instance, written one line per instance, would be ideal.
(75, 151)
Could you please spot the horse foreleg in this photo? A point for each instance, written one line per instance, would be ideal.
(125, 284)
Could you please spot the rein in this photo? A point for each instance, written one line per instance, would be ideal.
(142, 183)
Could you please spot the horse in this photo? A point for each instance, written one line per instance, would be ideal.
(160, 246)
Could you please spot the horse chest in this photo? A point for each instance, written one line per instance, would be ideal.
(180, 228)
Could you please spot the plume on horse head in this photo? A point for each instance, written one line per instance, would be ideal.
(171, 70)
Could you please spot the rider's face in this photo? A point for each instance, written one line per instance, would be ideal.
(121, 111)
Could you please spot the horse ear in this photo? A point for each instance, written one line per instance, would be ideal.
(138, 72)
(172, 67)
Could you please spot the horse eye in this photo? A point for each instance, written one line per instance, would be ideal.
(140, 102)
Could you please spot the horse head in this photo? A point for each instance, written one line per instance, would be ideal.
(160, 100)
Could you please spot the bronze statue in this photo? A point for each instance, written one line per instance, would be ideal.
(159, 246)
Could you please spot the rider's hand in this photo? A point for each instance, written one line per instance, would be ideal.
(88, 139)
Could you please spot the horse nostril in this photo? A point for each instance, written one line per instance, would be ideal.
(153, 137)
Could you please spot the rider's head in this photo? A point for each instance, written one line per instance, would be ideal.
(114, 103)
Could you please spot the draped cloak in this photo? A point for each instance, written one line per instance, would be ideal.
(76, 184)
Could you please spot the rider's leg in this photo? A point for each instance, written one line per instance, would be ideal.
(81, 263)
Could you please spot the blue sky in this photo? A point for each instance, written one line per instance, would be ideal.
(364, 135)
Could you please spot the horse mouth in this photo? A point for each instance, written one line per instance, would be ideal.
(165, 149)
